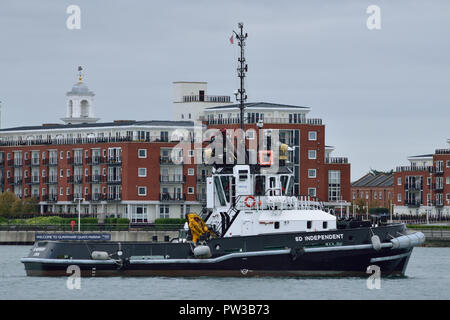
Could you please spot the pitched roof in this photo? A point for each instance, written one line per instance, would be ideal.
(375, 180)
(157, 123)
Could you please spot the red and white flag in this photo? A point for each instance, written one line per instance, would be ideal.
(231, 39)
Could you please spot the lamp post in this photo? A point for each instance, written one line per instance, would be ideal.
(79, 212)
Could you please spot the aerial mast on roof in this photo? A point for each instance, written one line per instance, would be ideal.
(241, 96)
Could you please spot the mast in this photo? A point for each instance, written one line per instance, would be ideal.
(242, 69)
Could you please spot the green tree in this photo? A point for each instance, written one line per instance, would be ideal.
(8, 204)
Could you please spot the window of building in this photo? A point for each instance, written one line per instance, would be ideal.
(312, 192)
(164, 211)
(67, 191)
(308, 224)
(61, 191)
(399, 197)
(250, 133)
(142, 191)
(190, 171)
(334, 185)
(447, 163)
(312, 135)
(447, 180)
(142, 153)
(325, 225)
(380, 196)
(86, 190)
(86, 153)
(190, 190)
(191, 153)
(399, 181)
(354, 195)
(142, 172)
(61, 173)
(312, 154)
(61, 155)
(68, 154)
(311, 173)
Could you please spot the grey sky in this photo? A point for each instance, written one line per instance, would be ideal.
(383, 95)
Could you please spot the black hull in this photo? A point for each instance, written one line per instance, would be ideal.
(274, 255)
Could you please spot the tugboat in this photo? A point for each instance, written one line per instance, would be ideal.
(253, 225)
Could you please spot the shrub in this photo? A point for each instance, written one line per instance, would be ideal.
(170, 221)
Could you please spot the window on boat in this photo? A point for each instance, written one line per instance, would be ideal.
(276, 225)
(243, 175)
(290, 187)
(219, 191)
(308, 224)
(260, 185)
(226, 187)
(284, 182)
(325, 225)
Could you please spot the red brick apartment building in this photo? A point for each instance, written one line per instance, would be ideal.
(423, 187)
(124, 168)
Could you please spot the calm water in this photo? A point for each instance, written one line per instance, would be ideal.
(427, 278)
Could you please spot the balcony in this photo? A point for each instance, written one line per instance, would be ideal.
(172, 179)
(170, 161)
(201, 179)
(35, 162)
(114, 197)
(206, 98)
(50, 198)
(77, 161)
(412, 187)
(17, 163)
(201, 197)
(114, 161)
(413, 203)
(172, 197)
(77, 179)
(336, 160)
(442, 151)
(53, 179)
(95, 179)
(95, 160)
(428, 169)
(15, 180)
(35, 180)
(114, 180)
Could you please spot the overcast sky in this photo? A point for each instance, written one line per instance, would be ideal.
(383, 94)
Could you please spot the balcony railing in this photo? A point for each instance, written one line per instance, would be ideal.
(35, 162)
(114, 197)
(170, 161)
(236, 120)
(95, 160)
(114, 180)
(201, 197)
(205, 98)
(172, 196)
(413, 186)
(412, 203)
(428, 169)
(50, 198)
(172, 179)
(336, 160)
(114, 161)
(77, 179)
(77, 161)
(442, 151)
(201, 179)
(53, 161)
(96, 179)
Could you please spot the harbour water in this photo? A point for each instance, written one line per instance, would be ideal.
(427, 277)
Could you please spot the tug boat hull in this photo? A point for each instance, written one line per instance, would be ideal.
(345, 252)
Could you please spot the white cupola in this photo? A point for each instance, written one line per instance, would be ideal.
(80, 103)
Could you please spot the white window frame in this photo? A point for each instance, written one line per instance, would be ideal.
(310, 156)
(191, 171)
(139, 154)
(139, 191)
(143, 174)
(312, 135)
(190, 190)
(313, 194)
(314, 175)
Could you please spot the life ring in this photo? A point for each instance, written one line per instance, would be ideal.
(253, 202)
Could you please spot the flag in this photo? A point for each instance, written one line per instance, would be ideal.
(231, 40)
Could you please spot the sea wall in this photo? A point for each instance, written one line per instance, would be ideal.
(28, 237)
